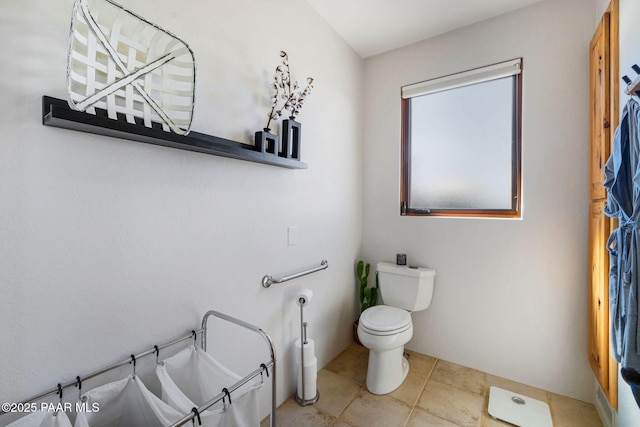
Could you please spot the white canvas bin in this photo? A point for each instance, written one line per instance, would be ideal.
(126, 403)
(192, 377)
(42, 419)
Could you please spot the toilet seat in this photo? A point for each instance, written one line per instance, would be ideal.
(385, 320)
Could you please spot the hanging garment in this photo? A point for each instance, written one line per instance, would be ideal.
(42, 419)
(192, 377)
(622, 181)
(125, 403)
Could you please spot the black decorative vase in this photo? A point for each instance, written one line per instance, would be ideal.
(266, 142)
(291, 135)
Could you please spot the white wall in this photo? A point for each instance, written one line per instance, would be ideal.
(510, 295)
(110, 246)
(628, 412)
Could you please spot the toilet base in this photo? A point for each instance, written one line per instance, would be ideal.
(387, 370)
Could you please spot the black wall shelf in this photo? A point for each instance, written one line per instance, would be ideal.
(56, 112)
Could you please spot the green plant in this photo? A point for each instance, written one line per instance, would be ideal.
(368, 296)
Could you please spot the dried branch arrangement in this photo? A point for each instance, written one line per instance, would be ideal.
(288, 95)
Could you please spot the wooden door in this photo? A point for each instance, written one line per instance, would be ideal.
(600, 103)
(598, 292)
(603, 120)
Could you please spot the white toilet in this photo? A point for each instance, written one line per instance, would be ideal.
(385, 329)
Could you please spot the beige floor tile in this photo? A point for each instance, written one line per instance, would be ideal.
(516, 387)
(451, 403)
(420, 364)
(453, 396)
(420, 367)
(460, 377)
(370, 410)
(351, 363)
(421, 418)
(567, 412)
(336, 392)
(410, 390)
(291, 414)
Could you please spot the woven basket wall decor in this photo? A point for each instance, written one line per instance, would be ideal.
(133, 69)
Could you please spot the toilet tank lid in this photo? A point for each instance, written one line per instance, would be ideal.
(405, 270)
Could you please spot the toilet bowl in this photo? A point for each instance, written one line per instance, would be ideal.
(385, 329)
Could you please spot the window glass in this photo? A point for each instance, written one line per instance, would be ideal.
(461, 150)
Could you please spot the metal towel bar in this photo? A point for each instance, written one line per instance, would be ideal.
(268, 280)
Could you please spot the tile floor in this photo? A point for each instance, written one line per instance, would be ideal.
(436, 393)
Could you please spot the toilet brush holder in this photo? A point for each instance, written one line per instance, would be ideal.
(301, 394)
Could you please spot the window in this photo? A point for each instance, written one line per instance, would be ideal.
(461, 144)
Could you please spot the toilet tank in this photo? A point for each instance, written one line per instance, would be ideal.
(405, 287)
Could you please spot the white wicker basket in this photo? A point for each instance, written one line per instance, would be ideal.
(129, 67)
